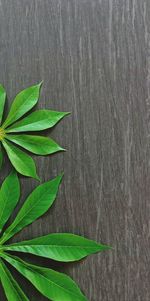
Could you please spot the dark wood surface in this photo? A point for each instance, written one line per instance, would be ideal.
(94, 58)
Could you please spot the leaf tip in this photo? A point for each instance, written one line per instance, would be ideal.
(102, 247)
(41, 83)
(67, 113)
(62, 149)
(61, 174)
(59, 177)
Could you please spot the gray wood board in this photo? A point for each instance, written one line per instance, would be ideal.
(94, 58)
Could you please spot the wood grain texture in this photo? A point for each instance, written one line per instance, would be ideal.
(94, 58)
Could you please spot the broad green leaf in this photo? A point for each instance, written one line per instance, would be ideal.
(1, 156)
(36, 144)
(9, 196)
(22, 103)
(2, 101)
(12, 290)
(59, 246)
(37, 203)
(22, 162)
(37, 121)
(53, 285)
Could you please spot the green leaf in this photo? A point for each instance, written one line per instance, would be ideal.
(22, 103)
(12, 290)
(2, 101)
(37, 121)
(1, 157)
(36, 144)
(22, 162)
(37, 203)
(53, 285)
(9, 196)
(58, 246)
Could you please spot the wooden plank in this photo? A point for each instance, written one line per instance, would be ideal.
(94, 58)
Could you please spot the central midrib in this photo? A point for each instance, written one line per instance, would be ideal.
(54, 246)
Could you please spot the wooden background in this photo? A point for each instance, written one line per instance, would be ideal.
(94, 58)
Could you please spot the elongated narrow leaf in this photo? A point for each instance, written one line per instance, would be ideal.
(37, 203)
(22, 103)
(37, 121)
(9, 196)
(59, 246)
(2, 101)
(22, 162)
(1, 156)
(12, 290)
(36, 144)
(53, 285)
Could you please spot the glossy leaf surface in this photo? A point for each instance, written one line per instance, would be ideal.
(37, 203)
(36, 144)
(59, 246)
(12, 290)
(9, 196)
(22, 162)
(23, 102)
(37, 121)
(53, 285)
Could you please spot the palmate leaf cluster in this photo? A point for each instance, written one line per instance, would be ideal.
(63, 247)
(13, 130)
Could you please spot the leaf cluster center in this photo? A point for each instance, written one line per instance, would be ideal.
(2, 133)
